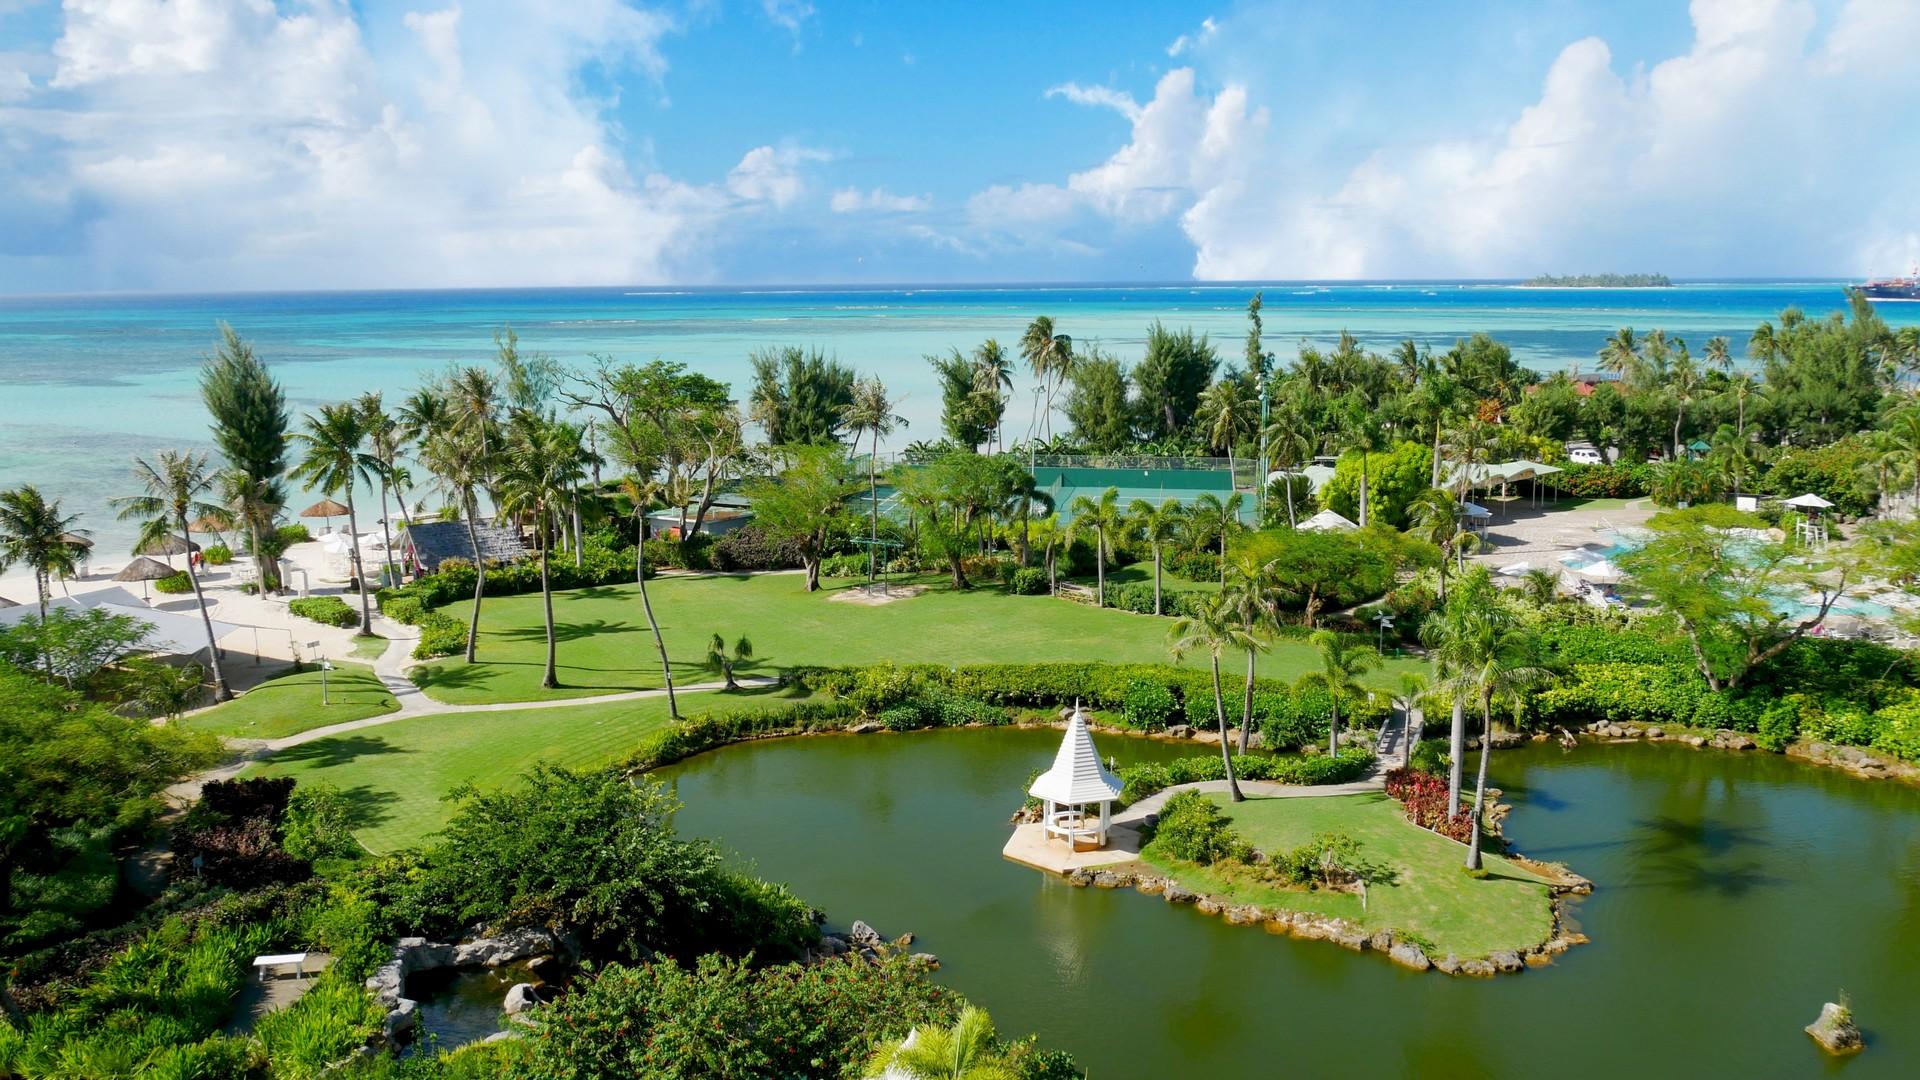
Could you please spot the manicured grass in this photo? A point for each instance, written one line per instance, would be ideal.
(396, 774)
(604, 645)
(367, 647)
(291, 703)
(1432, 895)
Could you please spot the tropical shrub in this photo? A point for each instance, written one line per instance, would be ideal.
(1839, 472)
(1191, 827)
(751, 547)
(317, 823)
(174, 586)
(402, 608)
(1028, 581)
(1898, 727)
(1140, 781)
(1192, 565)
(1424, 795)
(440, 635)
(1135, 596)
(1623, 480)
(850, 565)
(720, 1019)
(1148, 705)
(216, 554)
(1429, 756)
(329, 610)
(296, 533)
(1394, 480)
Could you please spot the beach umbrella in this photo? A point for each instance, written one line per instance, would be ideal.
(168, 546)
(207, 523)
(325, 508)
(144, 570)
(76, 538)
(1602, 572)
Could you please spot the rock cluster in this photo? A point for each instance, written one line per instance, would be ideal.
(864, 941)
(1835, 1030)
(413, 955)
(1307, 926)
(1862, 763)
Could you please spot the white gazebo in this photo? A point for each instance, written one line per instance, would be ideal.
(1811, 528)
(1327, 521)
(1076, 782)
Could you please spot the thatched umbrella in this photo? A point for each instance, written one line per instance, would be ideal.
(76, 538)
(325, 508)
(144, 570)
(168, 546)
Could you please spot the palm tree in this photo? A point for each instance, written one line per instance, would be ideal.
(1211, 516)
(472, 398)
(425, 413)
(1214, 628)
(642, 493)
(175, 489)
(1621, 353)
(1360, 428)
(1734, 457)
(1901, 442)
(1434, 516)
(966, 1051)
(1289, 444)
(255, 502)
(1023, 493)
(1541, 587)
(872, 411)
(1743, 388)
(1342, 661)
(540, 467)
(332, 461)
(1227, 414)
(1156, 525)
(1252, 594)
(993, 378)
(1103, 519)
(383, 446)
(1718, 353)
(1685, 382)
(1048, 533)
(1499, 662)
(454, 456)
(1049, 355)
(34, 533)
(719, 660)
(1447, 637)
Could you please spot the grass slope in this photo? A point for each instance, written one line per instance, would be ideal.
(291, 703)
(396, 774)
(1432, 897)
(604, 645)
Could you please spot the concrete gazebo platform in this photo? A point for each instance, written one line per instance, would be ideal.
(1071, 833)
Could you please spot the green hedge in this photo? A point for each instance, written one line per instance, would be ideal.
(440, 635)
(1140, 781)
(1626, 480)
(330, 610)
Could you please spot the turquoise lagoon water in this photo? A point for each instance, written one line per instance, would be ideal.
(91, 381)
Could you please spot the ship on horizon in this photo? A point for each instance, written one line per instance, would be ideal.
(1896, 288)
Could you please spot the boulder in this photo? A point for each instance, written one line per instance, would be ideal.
(1179, 731)
(1381, 941)
(1177, 893)
(925, 960)
(520, 998)
(1112, 879)
(1350, 938)
(547, 968)
(1695, 741)
(862, 934)
(1482, 969)
(1150, 884)
(1656, 733)
(507, 948)
(1207, 905)
(1243, 915)
(1080, 878)
(864, 729)
(401, 1020)
(501, 1036)
(1448, 965)
(1835, 1030)
(1409, 955)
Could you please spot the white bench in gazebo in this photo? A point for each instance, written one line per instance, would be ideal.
(296, 960)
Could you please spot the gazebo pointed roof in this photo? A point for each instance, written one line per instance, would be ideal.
(1077, 775)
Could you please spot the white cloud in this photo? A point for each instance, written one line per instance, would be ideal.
(1731, 157)
(853, 200)
(1194, 40)
(233, 143)
(788, 15)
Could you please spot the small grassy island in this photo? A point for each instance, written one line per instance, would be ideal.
(1600, 281)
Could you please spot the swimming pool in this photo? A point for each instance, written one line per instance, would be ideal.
(1626, 541)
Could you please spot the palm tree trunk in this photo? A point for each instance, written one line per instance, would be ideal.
(1246, 705)
(479, 580)
(646, 603)
(1291, 523)
(578, 556)
(547, 680)
(221, 692)
(1456, 755)
(1220, 715)
(1436, 454)
(1363, 489)
(1480, 785)
(359, 570)
(1099, 566)
(873, 509)
(1223, 552)
(1333, 727)
(43, 590)
(386, 532)
(1156, 580)
(1053, 583)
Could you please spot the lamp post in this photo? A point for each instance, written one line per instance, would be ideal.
(1385, 622)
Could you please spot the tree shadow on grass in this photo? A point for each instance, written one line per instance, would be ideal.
(566, 631)
(336, 751)
(367, 806)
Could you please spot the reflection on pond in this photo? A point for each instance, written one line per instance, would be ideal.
(462, 1005)
(1734, 894)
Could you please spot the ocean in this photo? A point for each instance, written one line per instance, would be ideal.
(92, 381)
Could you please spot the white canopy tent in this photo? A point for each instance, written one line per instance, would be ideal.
(1809, 501)
(1475, 511)
(1327, 520)
(178, 632)
(1076, 781)
(1603, 572)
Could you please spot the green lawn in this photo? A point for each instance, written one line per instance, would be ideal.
(604, 646)
(395, 774)
(1432, 896)
(367, 647)
(291, 703)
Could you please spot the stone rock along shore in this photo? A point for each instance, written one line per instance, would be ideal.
(1863, 763)
(864, 941)
(1835, 1030)
(412, 955)
(1399, 949)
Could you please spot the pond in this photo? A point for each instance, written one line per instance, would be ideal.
(461, 1005)
(1734, 894)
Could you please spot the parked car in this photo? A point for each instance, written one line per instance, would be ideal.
(1586, 455)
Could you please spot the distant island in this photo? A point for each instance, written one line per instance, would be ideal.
(1602, 281)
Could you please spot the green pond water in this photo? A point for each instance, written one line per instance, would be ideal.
(1734, 894)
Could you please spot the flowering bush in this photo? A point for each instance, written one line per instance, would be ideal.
(1425, 798)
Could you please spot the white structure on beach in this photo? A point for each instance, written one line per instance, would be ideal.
(1076, 781)
(1327, 521)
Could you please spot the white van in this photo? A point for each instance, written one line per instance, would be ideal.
(1585, 455)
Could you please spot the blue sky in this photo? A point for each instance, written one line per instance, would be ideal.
(207, 144)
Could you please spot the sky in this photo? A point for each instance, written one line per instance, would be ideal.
(205, 145)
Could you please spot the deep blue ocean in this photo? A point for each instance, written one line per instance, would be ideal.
(91, 381)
